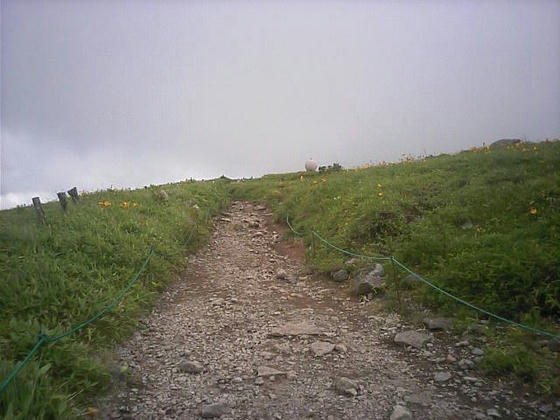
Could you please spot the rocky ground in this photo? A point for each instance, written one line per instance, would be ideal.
(249, 333)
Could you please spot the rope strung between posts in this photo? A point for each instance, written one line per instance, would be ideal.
(432, 285)
(295, 232)
(371, 257)
(46, 339)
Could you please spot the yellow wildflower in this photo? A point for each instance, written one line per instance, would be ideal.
(533, 211)
(125, 204)
(380, 194)
(324, 179)
(134, 204)
(301, 177)
(92, 411)
(378, 185)
(104, 204)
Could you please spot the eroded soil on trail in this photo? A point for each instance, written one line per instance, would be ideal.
(249, 333)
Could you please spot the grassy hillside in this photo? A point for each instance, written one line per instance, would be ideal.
(54, 277)
(483, 224)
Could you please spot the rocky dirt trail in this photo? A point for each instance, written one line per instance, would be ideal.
(249, 333)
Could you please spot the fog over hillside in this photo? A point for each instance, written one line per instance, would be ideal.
(129, 93)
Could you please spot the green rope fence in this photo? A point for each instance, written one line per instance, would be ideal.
(46, 339)
(43, 338)
(432, 285)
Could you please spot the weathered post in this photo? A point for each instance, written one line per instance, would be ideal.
(396, 282)
(313, 250)
(74, 194)
(39, 210)
(62, 200)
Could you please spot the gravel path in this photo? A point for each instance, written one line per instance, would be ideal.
(249, 333)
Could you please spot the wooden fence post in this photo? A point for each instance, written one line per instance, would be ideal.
(396, 282)
(39, 210)
(313, 242)
(74, 194)
(63, 201)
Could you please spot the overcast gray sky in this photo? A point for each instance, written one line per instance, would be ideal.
(128, 93)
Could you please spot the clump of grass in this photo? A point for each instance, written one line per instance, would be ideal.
(56, 276)
(518, 355)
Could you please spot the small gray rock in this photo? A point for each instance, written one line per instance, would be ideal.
(341, 348)
(320, 348)
(281, 274)
(268, 371)
(400, 413)
(465, 364)
(442, 376)
(554, 345)
(492, 412)
(191, 367)
(340, 276)
(346, 386)
(368, 280)
(378, 270)
(283, 348)
(351, 261)
(437, 324)
(546, 408)
(477, 351)
(422, 398)
(296, 328)
(214, 410)
(412, 338)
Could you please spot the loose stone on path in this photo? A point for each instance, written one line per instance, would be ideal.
(412, 338)
(298, 328)
(320, 348)
(268, 371)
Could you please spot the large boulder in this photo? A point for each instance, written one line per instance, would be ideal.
(370, 279)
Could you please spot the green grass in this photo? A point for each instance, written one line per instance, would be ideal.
(54, 277)
(483, 224)
(463, 221)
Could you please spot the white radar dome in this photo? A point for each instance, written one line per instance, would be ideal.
(310, 165)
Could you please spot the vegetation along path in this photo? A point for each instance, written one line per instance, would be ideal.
(249, 333)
